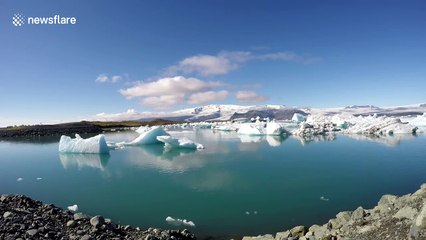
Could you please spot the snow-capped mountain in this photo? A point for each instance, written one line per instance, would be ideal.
(279, 112)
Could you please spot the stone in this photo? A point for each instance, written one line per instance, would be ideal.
(419, 223)
(97, 221)
(80, 216)
(298, 231)
(260, 237)
(71, 223)
(344, 216)
(387, 199)
(32, 232)
(282, 235)
(358, 214)
(85, 237)
(405, 213)
(7, 214)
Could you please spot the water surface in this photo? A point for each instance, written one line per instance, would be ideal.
(235, 186)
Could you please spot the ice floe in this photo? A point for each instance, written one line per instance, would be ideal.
(180, 222)
(73, 208)
(96, 144)
(171, 142)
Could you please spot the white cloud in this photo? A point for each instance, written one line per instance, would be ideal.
(168, 86)
(249, 97)
(226, 61)
(209, 96)
(288, 56)
(163, 102)
(104, 78)
(207, 65)
(169, 91)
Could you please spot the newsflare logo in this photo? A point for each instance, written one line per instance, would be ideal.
(18, 19)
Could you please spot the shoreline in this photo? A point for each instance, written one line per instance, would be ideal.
(394, 217)
(24, 218)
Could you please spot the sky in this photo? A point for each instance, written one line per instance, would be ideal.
(167, 55)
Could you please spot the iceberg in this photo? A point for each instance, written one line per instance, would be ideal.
(350, 124)
(142, 129)
(179, 142)
(96, 144)
(149, 136)
(298, 118)
(271, 128)
(250, 129)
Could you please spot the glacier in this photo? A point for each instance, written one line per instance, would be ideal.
(96, 144)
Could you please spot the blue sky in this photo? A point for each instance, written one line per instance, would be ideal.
(166, 55)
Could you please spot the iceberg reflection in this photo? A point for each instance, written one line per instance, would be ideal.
(81, 160)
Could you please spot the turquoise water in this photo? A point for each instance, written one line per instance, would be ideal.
(235, 186)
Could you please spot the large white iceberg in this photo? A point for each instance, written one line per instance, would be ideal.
(179, 142)
(149, 136)
(350, 124)
(96, 144)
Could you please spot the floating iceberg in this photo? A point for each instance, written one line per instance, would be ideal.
(298, 118)
(96, 144)
(179, 222)
(142, 129)
(179, 142)
(149, 136)
(350, 124)
(271, 128)
(250, 129)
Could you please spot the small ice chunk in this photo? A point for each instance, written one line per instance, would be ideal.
(179, 142)
(323, 198)
(149, 136)
(19, 179)
(180, 222)
(73, 208)
(39, 178)
(247, 213)
(96, 144)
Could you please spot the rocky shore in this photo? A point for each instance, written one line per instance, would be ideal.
(24, 218)
(393, 218)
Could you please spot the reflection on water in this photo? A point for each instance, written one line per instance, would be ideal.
(273, 141)
(387, 140)
(155, 156)
(315, 138)
(82, 160)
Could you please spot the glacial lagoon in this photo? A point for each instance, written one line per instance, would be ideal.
(237, 185)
